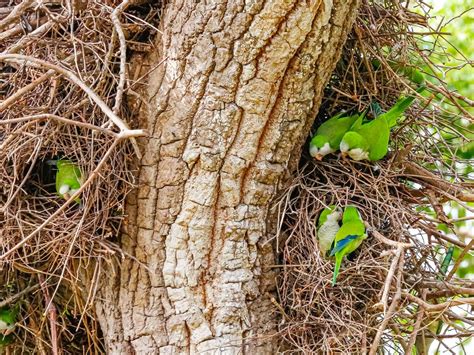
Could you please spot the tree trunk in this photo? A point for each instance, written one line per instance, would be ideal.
(227, 113)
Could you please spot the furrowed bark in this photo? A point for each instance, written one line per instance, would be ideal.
(227, 113)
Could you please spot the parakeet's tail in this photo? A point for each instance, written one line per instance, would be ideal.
(445, 263)
(336, 270)
(399, 108)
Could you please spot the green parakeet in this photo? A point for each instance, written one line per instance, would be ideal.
(329, 134)
(68, 179)
(8, 319)
(348, 238)
(369, 141)
(328, 226)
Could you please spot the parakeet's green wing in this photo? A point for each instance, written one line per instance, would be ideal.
(377, 134)
(336, 127)
(351, 228)
(347, 239)
(341, 244)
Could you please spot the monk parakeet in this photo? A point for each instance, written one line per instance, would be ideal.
(328, 225)
(329, 134)
(68, 178)
(369, 141)
(8, 319)
(348, 238)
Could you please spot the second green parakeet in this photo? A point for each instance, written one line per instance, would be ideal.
(328, 226)
(329, 134)
(348, 238)
(369, 141)
(410, 72)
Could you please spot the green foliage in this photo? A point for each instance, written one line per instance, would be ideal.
(449, 62)
(457, 46)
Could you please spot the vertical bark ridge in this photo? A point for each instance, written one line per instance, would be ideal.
(229, 108)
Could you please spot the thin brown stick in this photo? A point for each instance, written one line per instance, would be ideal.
(47, 116)
(392, 309)
(126, 132)
(18, 295)
(416, 329)
(123, 54)
(17, 12)
(440, 306)
(14, 98)
(390, 275)
(387, 241)
(50, 310)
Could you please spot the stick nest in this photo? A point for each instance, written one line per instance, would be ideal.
(63, 95)
(392, 288)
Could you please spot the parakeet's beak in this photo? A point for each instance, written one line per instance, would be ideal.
(318, 157)
(344, 155)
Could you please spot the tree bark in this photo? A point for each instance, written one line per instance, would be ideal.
(227, 113)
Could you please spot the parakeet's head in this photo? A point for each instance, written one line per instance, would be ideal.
(319, 147)
(354, 145)
(8, 319)
(351, 213)
(61, 163)
(332, 214)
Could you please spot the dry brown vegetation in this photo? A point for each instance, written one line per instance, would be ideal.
(64, 78)
(392, 289)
